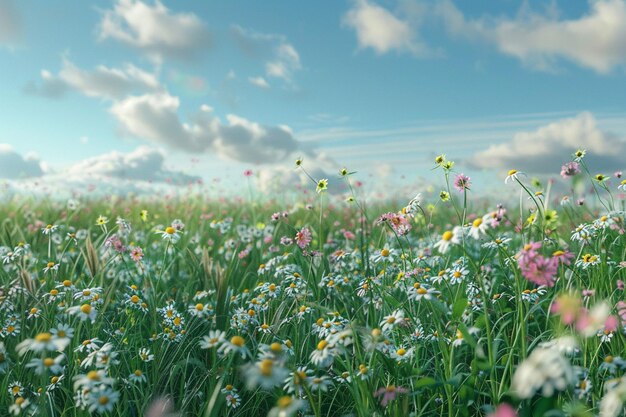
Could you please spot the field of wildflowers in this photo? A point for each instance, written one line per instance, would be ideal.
(447, 305)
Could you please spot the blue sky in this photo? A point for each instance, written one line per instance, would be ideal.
(206, 89)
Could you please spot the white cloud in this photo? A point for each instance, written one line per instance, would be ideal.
(543, 150)
(259, 82)
(155, 30)
(381, 30)
(594, 40)
(10, 23)
(142, 164)
(101, 82)
(280, 58)
(154, 117)
(142, 171)
(13, 165)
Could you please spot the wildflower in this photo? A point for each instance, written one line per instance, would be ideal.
(587, 260)
(420, 292)
(41, 342)
(143, 215)
(102, 400)
(52, 365)
(236, 344)
(137, 376)
(579, 155)
(85, 311)
(389, 393)
(462, 182)
(136, 253)
(303, 238)
(265, 374)
(479, 227)
(324, 354)
(215, 338)
(101, 221)
(622, 185)
(20, 404)
(287, 406)
(170, 233)
(145, 355)
(570, 169)
(392, 320)
(49, 229)
(448, 238)
(546, 371)
(444, 196)
(51, 266)
(440, 159)
(503, 410)
(513, 175)
(601, 177)
(320, 383)
(322, 185)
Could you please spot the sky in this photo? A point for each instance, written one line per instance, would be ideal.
(127, 95)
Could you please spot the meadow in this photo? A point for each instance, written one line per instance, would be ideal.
(444, 305)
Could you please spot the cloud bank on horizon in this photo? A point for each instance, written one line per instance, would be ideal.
(259, 108)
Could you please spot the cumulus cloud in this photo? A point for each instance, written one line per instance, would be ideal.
(142, 171)
(101, 82)
(155, 30)
(281, 59)
(10, 23)
(154, 117)
(383, 31)
(13, 165)
(541, 151)
(143, 164)
(594, 40)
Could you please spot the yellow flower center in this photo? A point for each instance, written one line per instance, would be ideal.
(48, 362)
(266, 366)
(284, 402)
(170, 230)
(447, 236)
(43, 337)
(322, 344)
(512, 172)
(238, 341)
(85, 309)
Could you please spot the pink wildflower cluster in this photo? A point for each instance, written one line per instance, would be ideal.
(570, 169)
(399, 223)
(539, 269)
(571, 311)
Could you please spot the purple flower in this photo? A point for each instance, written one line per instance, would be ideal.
(389, 393)
(462, 182)
(570, 169)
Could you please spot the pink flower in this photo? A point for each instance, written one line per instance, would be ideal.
(570, 169)
(610, 324)
(398, 223)
(303, 238)
(503, 410)
(535, 267)
(389, 393)
(136, 254)
(247, 173)
(462, 182)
